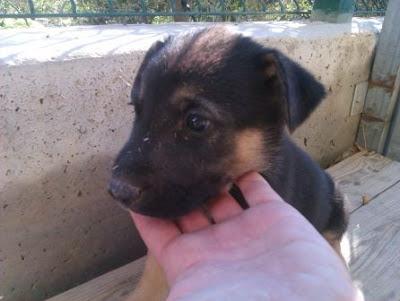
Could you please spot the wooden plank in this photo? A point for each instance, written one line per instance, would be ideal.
(113, 286)
(363, 176)
(392, 148)
(381, 96)
(374, 235)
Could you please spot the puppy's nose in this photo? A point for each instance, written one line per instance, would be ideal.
(123, 191)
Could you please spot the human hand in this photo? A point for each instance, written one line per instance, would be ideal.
(267, 252)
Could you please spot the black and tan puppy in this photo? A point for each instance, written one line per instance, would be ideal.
(210, 106)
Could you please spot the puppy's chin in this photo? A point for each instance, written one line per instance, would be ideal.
(164, 213)
(176, 204)
(164, 207)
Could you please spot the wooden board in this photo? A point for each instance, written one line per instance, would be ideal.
(381, 97)
(393, 142)
(113, 286)
(374, 235)
(364, 175)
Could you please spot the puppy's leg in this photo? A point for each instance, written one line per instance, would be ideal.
(334, 240)
(337, 225)
(339, 244)
(153, 285)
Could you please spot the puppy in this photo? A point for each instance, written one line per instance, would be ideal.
(210, 106)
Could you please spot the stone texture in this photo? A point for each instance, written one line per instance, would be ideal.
(61, 125)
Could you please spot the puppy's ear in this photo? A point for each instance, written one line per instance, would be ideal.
(154, 49)
(301, 90)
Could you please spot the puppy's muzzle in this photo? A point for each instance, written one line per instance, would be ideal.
(124, 192)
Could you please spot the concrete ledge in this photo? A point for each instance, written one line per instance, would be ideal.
(63, 117)
(60, 44)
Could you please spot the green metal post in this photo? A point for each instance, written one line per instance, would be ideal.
(31, 9)
(73, 6)
(333, 11)
(110, 5)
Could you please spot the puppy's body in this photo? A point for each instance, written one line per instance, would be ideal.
(308, 188)
(211, 106)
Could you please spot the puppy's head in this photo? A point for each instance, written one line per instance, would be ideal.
(209, 107)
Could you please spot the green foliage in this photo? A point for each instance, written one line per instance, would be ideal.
(155, 11)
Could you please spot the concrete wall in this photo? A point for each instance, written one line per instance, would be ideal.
(63, 117)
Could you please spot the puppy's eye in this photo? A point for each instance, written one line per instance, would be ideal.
(197, 123)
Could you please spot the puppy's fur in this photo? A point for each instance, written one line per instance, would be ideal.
(210, 106)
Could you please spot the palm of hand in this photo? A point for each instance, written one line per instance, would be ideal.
(267, 252)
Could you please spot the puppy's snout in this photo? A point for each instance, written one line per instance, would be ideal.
(123, 191)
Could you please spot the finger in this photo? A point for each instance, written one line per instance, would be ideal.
(193, 221)
(256, 189)
(156, 233)
(224, 207)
